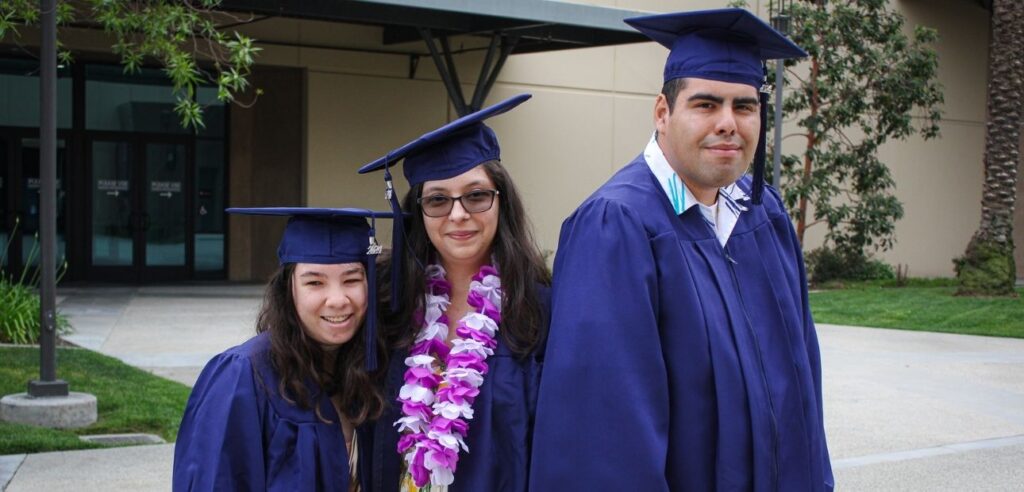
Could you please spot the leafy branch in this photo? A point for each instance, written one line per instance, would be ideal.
(167, 32)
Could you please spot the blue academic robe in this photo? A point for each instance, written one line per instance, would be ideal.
(499, 433)
(674, 363)
(239, 434)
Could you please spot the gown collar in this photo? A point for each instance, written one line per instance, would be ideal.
(722, 221)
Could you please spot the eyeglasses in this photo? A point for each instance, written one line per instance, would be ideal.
(474, 202)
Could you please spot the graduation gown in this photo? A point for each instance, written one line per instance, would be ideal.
(674, 363)
(239, 434)
(499, 433)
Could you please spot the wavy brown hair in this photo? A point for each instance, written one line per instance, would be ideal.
(518, 260)
(297, 358)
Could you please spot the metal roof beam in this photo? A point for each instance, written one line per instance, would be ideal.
(564, 24)
(497, 52)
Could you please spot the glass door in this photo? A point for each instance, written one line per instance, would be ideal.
(139, 226)
(113, 214)
(6, 212)
(19, 203)
(163, 215)
(30, 195)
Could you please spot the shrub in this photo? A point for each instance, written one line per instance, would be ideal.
(826, 264)
(20, 304)
(19, 313)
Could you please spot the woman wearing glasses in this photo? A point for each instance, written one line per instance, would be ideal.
(471, 322)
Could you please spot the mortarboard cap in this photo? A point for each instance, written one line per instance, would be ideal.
(450, 150)
(327, 236)
(446, 152)
(725, 45)
(728, 45)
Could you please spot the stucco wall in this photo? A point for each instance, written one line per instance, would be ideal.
(265, 169)
(939, 181)
(592, 113)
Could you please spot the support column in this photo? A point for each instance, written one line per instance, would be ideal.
(501, 46)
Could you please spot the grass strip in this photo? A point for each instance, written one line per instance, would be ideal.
(924, 305)
(129, 399)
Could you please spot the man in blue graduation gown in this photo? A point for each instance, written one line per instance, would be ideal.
(682, 354)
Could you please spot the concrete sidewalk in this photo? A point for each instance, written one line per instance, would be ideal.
(170, 331)
(903, 410)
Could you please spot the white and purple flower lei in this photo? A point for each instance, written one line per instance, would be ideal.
(436, 408)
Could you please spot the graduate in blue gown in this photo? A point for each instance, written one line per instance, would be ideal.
(471, 312)
(682, 354)
(280, 411)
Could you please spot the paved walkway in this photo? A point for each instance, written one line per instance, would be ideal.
(190, 323)
(903, 410)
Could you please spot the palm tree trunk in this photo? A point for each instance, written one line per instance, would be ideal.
(987, 267)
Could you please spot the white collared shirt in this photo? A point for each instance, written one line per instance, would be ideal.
(721, 216)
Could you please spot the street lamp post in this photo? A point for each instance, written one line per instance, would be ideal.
(47, 384)
(780, 21)
(48, 403)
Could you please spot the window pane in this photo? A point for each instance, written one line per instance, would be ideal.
(111, 204)
(30, 194)
(213, 112)
(209, 238)
(19, 94)
(5, 228)
(164, 221)
(142, 102)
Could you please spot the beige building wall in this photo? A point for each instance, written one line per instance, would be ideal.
(592, 113)
(939, 181)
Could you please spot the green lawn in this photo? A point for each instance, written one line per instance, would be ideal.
(926, 305)
(129, 399)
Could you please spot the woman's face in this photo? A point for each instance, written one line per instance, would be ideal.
(330, 301)
(460, 236)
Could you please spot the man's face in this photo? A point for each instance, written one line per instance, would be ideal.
(710, 136)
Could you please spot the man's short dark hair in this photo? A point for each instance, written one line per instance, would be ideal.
(671, 90)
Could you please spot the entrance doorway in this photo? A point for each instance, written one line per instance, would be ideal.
(140, 199)
(140, 194)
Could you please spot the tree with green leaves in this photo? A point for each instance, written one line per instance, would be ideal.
(987, 267)
(866, 82)
(181, 35)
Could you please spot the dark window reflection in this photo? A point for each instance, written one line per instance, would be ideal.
(19, 94)
(28, 230)
(209, 203)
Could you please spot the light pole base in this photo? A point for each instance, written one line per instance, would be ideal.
(61, 412)
(40, 389)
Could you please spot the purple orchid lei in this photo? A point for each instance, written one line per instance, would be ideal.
(436, 409)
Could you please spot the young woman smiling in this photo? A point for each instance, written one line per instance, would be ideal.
(470, 324)
(280, 411)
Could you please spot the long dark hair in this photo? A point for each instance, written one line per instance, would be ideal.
(518, 260)
(297, 358)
